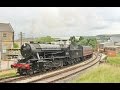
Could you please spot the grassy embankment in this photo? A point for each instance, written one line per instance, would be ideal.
(105, 73)
(7, 73)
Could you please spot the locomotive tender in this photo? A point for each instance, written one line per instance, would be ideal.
(41, 57)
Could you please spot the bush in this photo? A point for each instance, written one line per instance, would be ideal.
(15, 45)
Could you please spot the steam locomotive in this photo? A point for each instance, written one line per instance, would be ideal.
(41, 57)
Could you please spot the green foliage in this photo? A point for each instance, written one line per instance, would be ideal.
(73, 40)
(15, 45)
(84, 41)
(46, 39)
(81, 38)
(114, 60)
(92, 42)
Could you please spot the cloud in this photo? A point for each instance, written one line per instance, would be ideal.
(3, 20)
(62, 21)
(66, 21)
(113, 29)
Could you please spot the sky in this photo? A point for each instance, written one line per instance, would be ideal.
(62, 21)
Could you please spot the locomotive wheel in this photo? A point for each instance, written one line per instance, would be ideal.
(21, 72)
(70, 63)
(30, 72)
(65, 64)
(43, 70)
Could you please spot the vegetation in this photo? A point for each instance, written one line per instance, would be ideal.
(47, 39)
(7, 73)
(103, 38)
(15, 45)
(108, 72)
(73, 40)
(84, 41)
(103, 74)
(114, 60)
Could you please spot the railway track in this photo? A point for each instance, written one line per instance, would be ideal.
(10, 79)
(54, 75)
(18, 77)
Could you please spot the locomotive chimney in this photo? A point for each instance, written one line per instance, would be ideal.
(64, 42)
(31, 42)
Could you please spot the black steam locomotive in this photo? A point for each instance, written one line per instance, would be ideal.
(40, 57)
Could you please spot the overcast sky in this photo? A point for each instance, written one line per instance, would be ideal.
(62, 21)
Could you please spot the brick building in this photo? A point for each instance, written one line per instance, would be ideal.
(6, 38)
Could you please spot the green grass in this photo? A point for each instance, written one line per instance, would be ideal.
(114, 60)
(103, 74)
(8, 73)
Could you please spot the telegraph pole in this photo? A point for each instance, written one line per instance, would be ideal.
(21, 38)
(21, 35)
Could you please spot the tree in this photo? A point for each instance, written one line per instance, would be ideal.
(81, 38)
(93, 43)
(88, 42)
(73, 40)
(15, 45)
(83, 42)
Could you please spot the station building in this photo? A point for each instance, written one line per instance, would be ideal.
(6, 39)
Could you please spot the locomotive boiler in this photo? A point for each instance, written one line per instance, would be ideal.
(41, 57)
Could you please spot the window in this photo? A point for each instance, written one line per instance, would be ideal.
(4, 35)
(4, 49)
